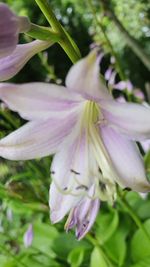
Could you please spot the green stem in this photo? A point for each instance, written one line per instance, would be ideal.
(133, 215)
(95, 243)
(8, 253)
(112, 51)
(65, 42)
(43, 33)
(8, 117)
(6, 234)
(130, 40)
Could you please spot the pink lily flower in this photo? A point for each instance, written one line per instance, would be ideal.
(10, 27)
(13, 63)
(92, 136)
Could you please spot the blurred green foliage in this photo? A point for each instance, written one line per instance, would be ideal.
(115, 240)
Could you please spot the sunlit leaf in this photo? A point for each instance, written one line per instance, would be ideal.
(106, 225)
(97, 258)
(140, 245)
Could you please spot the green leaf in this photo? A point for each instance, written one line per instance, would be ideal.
(133, 198)
(10, 263)
(143, 263)
(36, 261)
(4, 261)
(116, 246)
(65, 243)
(97, 258)
(143, 210)
(106, 225)
(140, 245)
(76, 256)
(44, 236)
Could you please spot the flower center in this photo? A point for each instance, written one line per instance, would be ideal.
(104, 174)
(91, 113)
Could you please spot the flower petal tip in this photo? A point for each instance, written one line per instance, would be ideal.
(55, 217)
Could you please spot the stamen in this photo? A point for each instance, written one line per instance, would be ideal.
(65, 188)
(66, 191)
(102, 121)
(82, 186)
(102, 186)
(85, 224)
(126, 189)
(75, 172)
(52, 172)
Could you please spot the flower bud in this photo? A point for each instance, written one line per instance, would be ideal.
(28, 236)
(10, 26)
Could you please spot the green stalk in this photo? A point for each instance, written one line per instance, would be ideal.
(112, 51)
(130, 40)
(9, 119)
(133, 215)
(43, 33)
(95, 243)
(65, 41)
(11, 255)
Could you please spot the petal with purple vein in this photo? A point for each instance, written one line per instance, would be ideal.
(126, 159)
(132, 120)
(39, 100)
(84, 78)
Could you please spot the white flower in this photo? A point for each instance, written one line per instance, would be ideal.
(92, 137)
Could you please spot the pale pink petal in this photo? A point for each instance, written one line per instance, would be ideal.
(84, 78)
(60, 203)
(12, 64)
(132, 120)
(121, 99)
(112, 60)
(10, 26)
(146, 145)
(129, 86)
(139, 94)
(87, 222)
(39, 100)
(9, 30)
(122, 85)
(108, 73)
(126, 159)
(83, 215)
(112, 78)
(69, 172)
(36, 139)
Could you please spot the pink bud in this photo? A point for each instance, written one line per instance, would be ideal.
(10, 26)
(28, 236)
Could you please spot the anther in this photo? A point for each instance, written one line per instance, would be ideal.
(85, 224)
(126, 189)
(75, 172)
(52, 172)
(102, 186)
(65, 188)
(82, 186)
